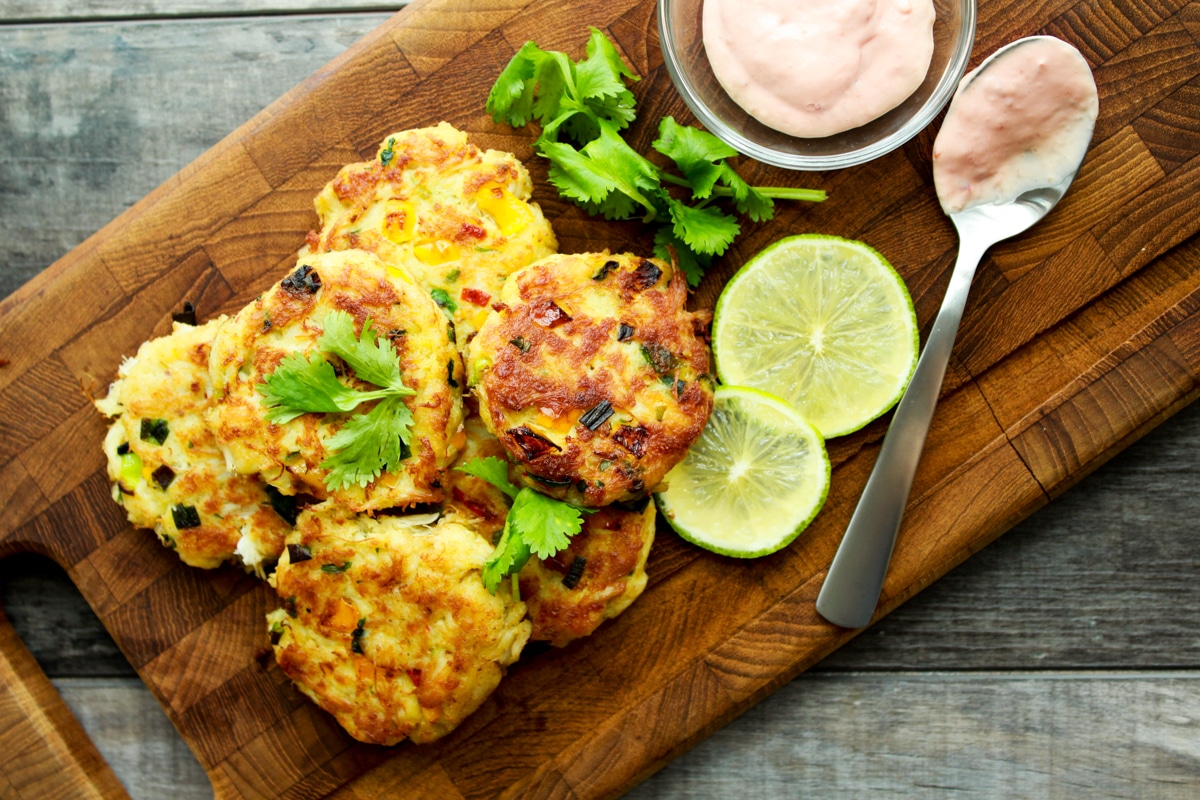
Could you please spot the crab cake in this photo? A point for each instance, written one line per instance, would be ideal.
(166, 467)
(598, 576)
(288, 320)
(570, 594)
(386, 623)
(591, 373)
(435, 207)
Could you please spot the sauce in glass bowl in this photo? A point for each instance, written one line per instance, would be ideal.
(814, 68)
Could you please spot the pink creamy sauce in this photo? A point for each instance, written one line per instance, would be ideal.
(1020, 120)
(814, 68)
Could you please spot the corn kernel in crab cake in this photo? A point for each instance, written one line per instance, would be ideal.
(435, 207)
(329, 454)
(598, 576)
(167, 469)
(592, 374)
(386, 623)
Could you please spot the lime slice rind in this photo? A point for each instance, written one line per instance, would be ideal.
(754, 480)
(823, 322)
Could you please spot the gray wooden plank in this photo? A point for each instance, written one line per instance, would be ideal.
(135, 737)
(55, 622)
(94, 117)
(93, 10)
(849, 735)
(954, 735)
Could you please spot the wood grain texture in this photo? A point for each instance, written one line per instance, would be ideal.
(195, 236)
(43, 750)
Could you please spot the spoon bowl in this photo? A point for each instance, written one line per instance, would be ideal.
(851, 589)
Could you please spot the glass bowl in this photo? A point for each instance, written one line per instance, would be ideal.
(679, 29)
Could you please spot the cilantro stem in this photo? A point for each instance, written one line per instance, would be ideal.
(780, 193)
(776, 192)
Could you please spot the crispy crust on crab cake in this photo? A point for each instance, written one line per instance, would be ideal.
(570, 594)
(592, 374)
(434, 206)
(167, 469)
(386, 623)
(288, 319)
(598, 576)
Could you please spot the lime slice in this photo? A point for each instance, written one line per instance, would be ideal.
(754, 479)
(825, 323)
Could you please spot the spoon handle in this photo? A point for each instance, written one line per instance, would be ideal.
(851, 589)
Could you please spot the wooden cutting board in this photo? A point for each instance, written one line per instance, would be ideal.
(1079, 337)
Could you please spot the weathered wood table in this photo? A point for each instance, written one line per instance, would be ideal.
(1061, 661)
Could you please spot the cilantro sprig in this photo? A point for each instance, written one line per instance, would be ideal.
(582, 107)
(535, 525)
(368, 444)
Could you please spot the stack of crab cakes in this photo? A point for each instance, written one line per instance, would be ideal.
(589, 376)
(437, 209)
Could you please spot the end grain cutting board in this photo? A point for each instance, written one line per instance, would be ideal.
(1079, 338)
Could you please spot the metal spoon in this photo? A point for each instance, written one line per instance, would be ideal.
(852, 586)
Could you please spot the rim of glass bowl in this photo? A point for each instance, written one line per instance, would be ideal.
(945, 88)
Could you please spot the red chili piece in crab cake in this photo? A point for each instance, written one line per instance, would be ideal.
(593, 374)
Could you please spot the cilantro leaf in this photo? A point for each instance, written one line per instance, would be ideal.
(746, 198)
(373, 360)
(705, 230)
(545, 524)
(369, 444)
(303, 384)
(605, 165)
(510, 555)
(698, 154)
(536, 524)
(574, 175)
(600, 82)
(492, 469)
(515, 92)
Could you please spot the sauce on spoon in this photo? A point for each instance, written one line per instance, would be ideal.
(813, 68)
(1022, 119)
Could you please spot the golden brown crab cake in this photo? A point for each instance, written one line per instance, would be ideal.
(167, 469)
(433, 206)
(571, 593)
(386, 623)
(289, 319)
(593, 374)
(598, 576)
